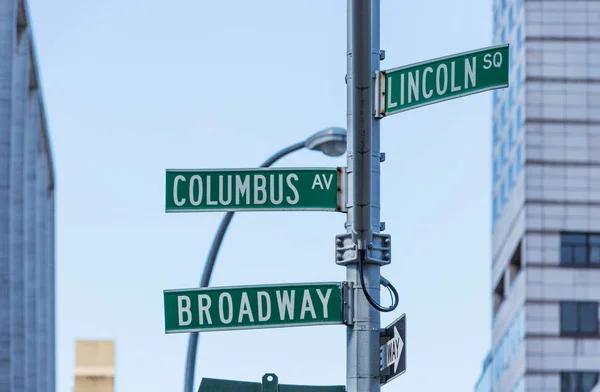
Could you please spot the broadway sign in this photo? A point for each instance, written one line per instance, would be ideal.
(249, 307)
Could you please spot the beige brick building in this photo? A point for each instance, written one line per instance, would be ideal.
(94, 366)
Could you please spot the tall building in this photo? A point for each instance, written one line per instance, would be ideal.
(94, 366)
(27, 324)
(546, 200)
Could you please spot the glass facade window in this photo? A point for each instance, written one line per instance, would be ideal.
(519, 119)
(519, 39)
(484, 384)
(578, 381)
(519, 159)
(502, 154)
(495, 210)
(580, 250)
(511, 138)
(497, 22)
(508, 346)
(579, 318)
(511, 177)
(27, 220)
(496, 173)
(511, 20)
(519, 386)
(495, 133)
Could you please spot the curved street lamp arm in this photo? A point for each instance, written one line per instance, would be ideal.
(190, 365)
(283, 152)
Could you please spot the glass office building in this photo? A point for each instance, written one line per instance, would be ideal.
(27, 326)
(546, 200)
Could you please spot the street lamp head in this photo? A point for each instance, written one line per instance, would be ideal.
(330, 141)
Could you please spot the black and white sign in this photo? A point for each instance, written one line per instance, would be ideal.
(392, 352)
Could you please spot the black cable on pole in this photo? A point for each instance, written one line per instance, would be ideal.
(361, 256)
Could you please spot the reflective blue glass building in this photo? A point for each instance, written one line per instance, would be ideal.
(27, 333)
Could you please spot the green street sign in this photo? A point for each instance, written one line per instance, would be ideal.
(441, 79)
(250, 307)
(307, 189)
(270, 383)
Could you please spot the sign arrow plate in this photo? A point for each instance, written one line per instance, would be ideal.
(393, 350)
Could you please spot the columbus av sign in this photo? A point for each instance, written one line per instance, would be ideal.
(313, 189)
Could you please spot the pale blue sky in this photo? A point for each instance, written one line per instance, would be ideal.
(135, 87)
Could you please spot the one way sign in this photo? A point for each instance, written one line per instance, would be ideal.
(393, 350)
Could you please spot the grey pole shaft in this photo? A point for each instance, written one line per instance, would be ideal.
(362, 350)
(190, 363)
(359, 124)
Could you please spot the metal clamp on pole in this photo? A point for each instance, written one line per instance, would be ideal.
(379, 250)
(348, 296)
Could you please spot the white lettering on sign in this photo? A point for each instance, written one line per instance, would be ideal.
(318, 182)
(235, 189)
(196, 179)
(427, 93)
(443, 78)
(222, 200)
(178, 202)
(307, 306)
(438, 85)
(267, 309)
(242, 188)
(413, 86)
(402, 88)
(274, 199)
(208, 201)
(293, 189)
(183, 307)
(260, 187)
(225, 320)
(327, 182)
(453, 87)
(392, 351)
(253, 307)
(285, 302)
(245, 309)
(389, 353)
(391, 104)
(487, 60)
(203, 307)
(470, 70)
(495, 60)
(324, 300)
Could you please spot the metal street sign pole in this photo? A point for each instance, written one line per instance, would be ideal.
(363, 156)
